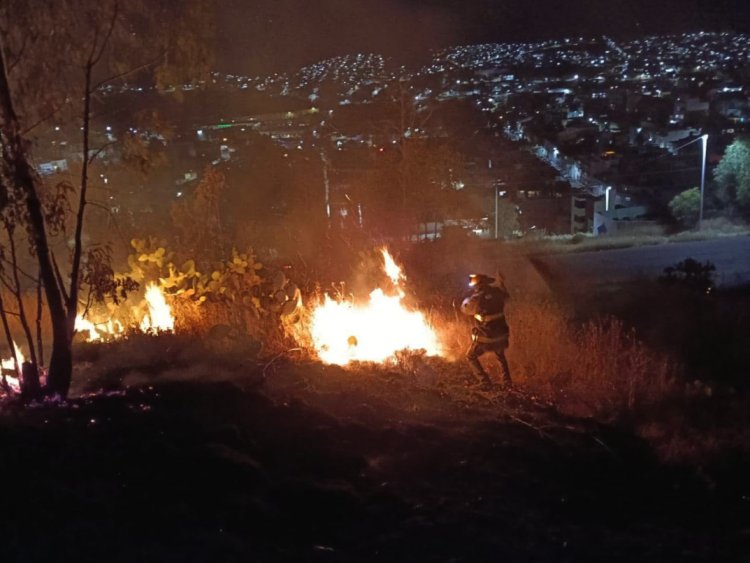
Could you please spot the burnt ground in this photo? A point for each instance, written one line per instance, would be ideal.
(291, 461)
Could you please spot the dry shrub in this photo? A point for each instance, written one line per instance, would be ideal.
(599, 368)
(191, 317)
(454, 331)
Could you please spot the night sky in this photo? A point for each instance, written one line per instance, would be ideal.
(259, 36)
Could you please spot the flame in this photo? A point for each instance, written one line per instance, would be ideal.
(110, 329)
(9, 367)
(85, 325)
(391, 268)
(343, 331)
(159, 317)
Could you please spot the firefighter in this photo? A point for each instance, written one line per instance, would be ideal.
(486, 305)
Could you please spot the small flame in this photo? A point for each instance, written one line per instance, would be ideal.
(9, 367)
(343, 331)
(97, 331)
(391, 268)
(85, 325)
(159, 317)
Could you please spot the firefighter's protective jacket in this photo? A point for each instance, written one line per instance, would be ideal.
(486, 306)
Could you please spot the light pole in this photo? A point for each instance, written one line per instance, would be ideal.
(703, 181)
(703, 138)
(496, 223)
(496, 187)
(606, 198)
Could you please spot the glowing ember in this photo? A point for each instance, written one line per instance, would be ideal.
(159, 317)
(343, 331)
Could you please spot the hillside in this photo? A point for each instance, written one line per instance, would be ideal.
(229, 459)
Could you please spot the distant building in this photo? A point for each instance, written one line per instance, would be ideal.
(53, 167)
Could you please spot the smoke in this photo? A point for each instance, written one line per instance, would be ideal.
(263, 36)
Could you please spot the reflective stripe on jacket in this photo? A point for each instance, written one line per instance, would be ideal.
(489, 340)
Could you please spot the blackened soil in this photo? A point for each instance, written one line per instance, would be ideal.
(304, 463)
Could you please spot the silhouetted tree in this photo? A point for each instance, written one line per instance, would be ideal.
(55, 60)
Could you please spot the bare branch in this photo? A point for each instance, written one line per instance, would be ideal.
(100, 150)
(18, 56)
(21, 271)
(87, 303)
(128, 72)
(94, 47)
(112, 216)
(59, 277)
(108, 35)
(41, 120)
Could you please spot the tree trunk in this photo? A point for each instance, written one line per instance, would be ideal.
(17, 291)
(11, 344)
(30, 388)
(14, 153)
(75, 270)
(39, 313)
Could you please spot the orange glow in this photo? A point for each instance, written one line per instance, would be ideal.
(344, 331)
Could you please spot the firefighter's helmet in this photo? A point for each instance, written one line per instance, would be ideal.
(479, 279)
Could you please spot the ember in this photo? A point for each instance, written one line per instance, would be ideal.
(343, 331)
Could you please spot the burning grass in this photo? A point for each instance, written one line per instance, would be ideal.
(597, 369)
(344, 330)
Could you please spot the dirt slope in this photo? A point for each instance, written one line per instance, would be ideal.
(294, 461)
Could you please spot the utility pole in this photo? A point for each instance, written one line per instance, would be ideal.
(326, 184)
(496, 218)
(496, 186)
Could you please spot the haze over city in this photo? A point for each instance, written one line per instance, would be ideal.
(270, 36)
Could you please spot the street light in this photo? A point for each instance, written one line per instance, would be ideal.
(496, 223)
(496, 187)
(703, 138)
(703, 181)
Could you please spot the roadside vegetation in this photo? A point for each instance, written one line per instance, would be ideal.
(651, 235)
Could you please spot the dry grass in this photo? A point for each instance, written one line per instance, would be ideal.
(598, 369)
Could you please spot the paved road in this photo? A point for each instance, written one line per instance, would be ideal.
(731, 256)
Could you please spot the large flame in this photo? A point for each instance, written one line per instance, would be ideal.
(343, 331)
(159, 317)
